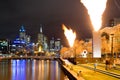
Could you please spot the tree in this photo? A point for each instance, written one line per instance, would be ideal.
(105, 43)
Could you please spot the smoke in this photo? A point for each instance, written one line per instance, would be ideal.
(117, 3)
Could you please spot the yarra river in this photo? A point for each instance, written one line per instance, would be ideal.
(31, 70)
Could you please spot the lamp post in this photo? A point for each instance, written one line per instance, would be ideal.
(112, 54)
(75, 55)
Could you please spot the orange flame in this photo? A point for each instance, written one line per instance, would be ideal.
(70, 35)
(95, 10)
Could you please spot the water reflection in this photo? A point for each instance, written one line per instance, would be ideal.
(30, 70)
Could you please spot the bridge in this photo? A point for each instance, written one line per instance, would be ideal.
(31, 57)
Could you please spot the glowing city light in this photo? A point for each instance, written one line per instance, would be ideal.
(95, 10)
(70, 35)
(40, 49)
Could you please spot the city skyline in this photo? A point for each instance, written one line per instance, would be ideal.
(60, 39)
(51, 14)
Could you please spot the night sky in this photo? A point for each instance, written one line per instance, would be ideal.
(51, 14)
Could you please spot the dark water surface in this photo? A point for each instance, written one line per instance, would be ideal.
(30, 70)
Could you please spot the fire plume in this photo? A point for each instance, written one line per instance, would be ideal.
(70, 35)
(95, 10)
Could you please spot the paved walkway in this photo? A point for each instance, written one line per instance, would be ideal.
(81, 73)
(76, 73)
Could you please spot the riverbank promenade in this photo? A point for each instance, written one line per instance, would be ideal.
(88, 72)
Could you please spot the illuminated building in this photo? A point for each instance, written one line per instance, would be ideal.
(22, 33)
(4, 46)
(114, 22)
(42, 41)
(55, 44)
(109, 42)
(52, 44)
(40, 36)
(22, 43)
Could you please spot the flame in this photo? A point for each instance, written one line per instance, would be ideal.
(95, 10)
(70, 35)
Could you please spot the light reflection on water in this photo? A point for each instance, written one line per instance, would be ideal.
(30, 70)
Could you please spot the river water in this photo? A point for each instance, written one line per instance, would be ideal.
(31, 70)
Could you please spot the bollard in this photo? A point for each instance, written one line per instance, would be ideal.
(71, 68)
(78, 73)
(66, 78)
(66, 65)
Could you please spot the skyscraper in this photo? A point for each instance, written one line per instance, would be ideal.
(22, 43)
(40, 36)
(22, 33)
(42, 40)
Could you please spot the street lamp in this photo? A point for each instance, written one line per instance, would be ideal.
(112, 54)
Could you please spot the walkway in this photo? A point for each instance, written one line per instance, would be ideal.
(82, 73)
(70, 67)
